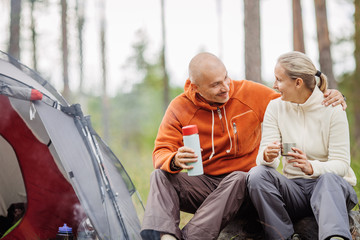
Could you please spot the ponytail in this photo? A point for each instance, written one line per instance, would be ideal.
(323, 81)
(298, 65)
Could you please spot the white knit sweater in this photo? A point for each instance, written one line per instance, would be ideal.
(321, 132)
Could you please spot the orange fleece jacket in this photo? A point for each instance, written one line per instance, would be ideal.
(244, 112)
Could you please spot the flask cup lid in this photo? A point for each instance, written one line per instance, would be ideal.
(189, 130)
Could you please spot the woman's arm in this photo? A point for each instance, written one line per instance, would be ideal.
(339, 147)
(270, 134)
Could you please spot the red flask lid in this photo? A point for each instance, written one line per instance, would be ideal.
(189, 130)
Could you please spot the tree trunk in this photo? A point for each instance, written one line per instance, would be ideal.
(252, 40)
(298, 33)
(324, 42)
(163, 60)
(356, 82)
(105, 99)
(80, 28)
(65, 50)
(33, 34)
(14, 41)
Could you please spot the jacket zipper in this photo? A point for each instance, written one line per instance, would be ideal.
(301, 115)
(303, 132)
(235, 137)
(220, 116)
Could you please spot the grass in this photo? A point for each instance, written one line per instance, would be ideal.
(355, 164)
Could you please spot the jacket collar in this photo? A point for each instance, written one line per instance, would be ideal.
(315, 98)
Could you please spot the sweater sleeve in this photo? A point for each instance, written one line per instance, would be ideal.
(168, 140)
(270, 134)
(339, 147)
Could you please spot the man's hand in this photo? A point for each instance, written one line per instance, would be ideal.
(334, 97)
(272, 151)
(183, 156)
(300, 160)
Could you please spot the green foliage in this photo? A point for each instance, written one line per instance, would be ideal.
(356, 166)
(94, 108)
(346, 87)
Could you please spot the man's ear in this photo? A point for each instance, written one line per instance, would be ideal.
(194, 87)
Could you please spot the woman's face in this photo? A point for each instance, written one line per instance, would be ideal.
(284, 84)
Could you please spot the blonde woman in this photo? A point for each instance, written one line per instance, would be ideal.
(317, 178)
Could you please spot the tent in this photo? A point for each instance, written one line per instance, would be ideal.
(53, 162)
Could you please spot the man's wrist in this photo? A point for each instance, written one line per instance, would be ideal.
(173, 167)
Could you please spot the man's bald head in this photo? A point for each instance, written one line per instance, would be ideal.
(209, 78)
(202, 65)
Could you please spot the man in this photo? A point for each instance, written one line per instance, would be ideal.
(228, 115)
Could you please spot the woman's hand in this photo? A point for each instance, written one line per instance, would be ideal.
(272, 151)
(300, 160)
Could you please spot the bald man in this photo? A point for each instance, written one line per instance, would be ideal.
(228, 115)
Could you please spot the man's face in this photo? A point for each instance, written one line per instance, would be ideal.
(214, 85)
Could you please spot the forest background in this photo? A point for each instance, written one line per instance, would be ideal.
(124, 61)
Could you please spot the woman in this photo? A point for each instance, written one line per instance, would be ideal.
(317, 178)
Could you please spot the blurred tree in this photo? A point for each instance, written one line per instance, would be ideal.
(79, 8)
(163, 58)
(298, 32)
(104, 99)
(138, 112)
(325, 58)
(33, 33)
(355, 89)
(14, 41)
(65, 50)
(252, 40)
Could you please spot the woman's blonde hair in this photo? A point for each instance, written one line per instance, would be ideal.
(298, 65)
